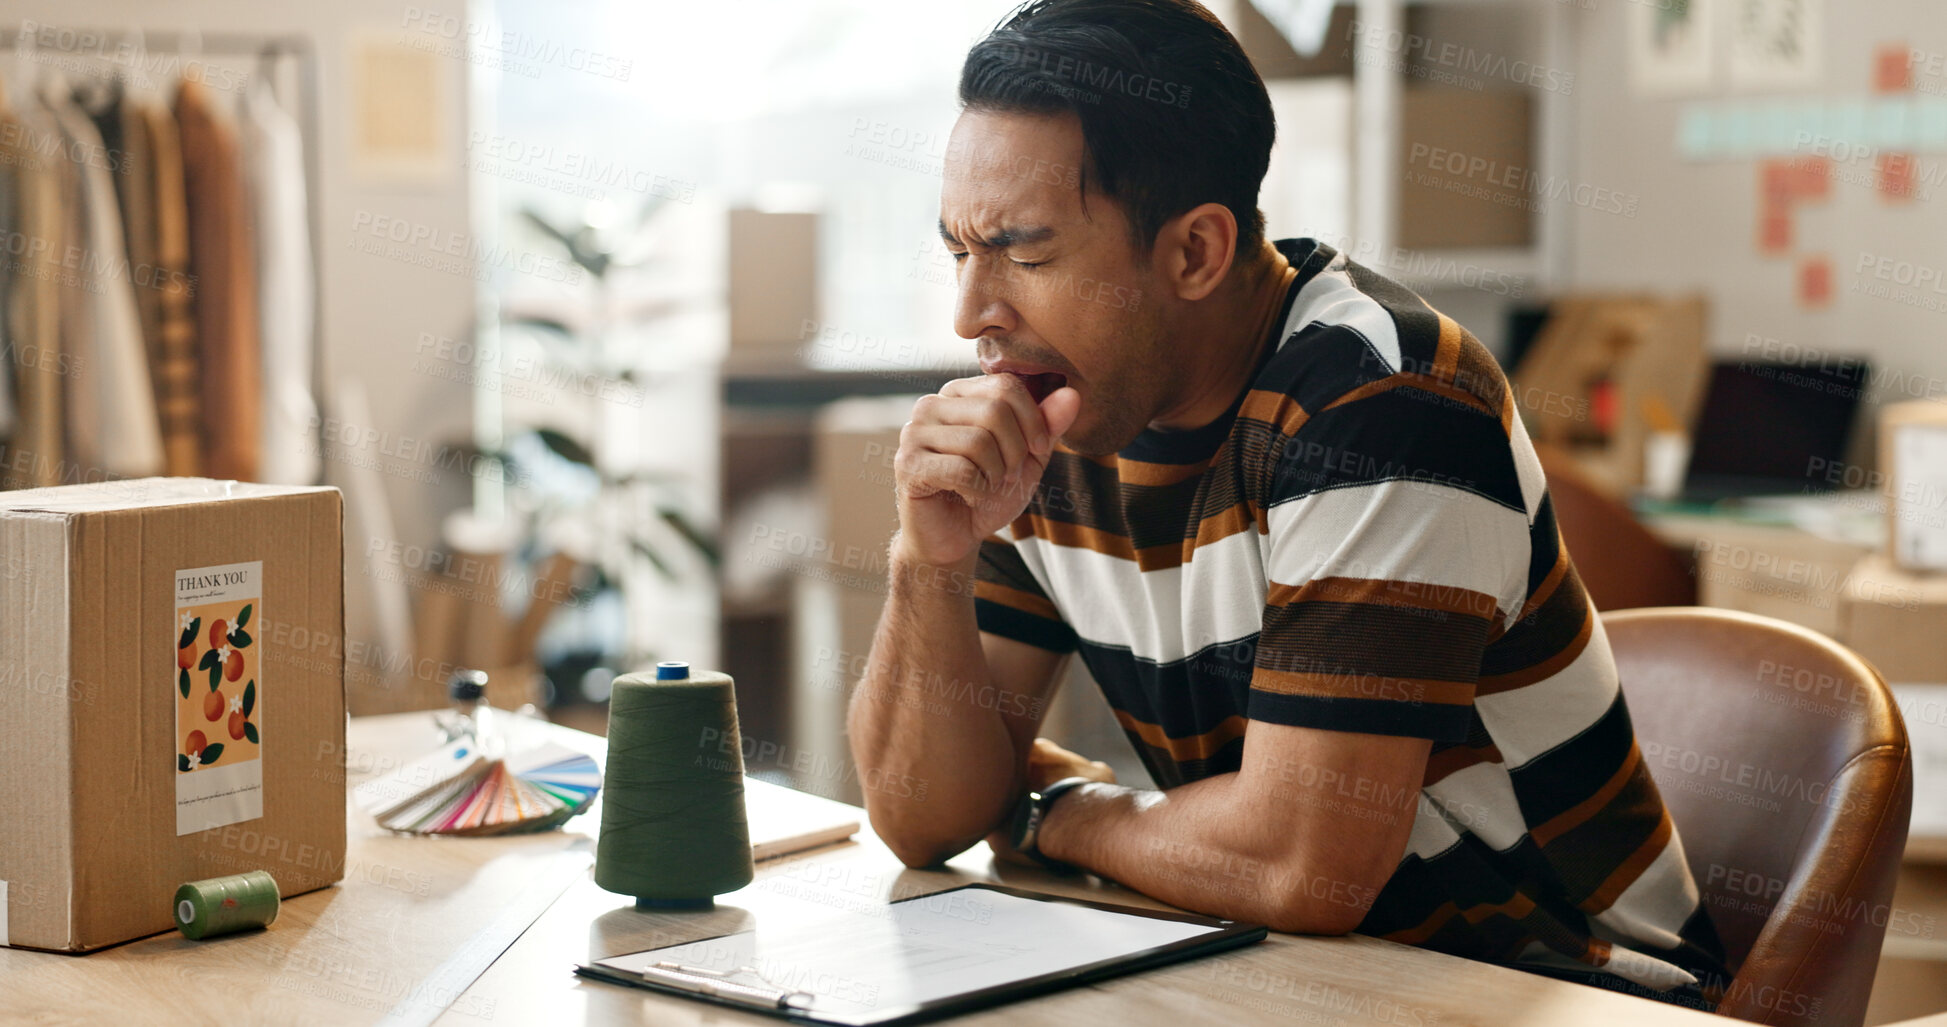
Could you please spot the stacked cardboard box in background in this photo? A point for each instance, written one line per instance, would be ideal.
(1913, 454)
(1895, 614)
(1896, 600)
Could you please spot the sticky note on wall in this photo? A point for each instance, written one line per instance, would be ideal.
(1815, 282)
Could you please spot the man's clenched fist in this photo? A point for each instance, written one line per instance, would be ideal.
(970, 459)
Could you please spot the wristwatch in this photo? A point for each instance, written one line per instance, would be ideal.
(1032, 812)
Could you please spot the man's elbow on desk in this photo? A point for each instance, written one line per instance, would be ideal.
(913, 839)
(919, 853)
(1316, 904)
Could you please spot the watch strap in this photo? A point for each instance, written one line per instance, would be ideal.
(1061, 788)
(1033, 813)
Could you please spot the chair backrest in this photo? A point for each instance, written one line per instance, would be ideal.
(1622, 565)
(1784, 762)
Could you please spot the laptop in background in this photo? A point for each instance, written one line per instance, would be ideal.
(1770, 428)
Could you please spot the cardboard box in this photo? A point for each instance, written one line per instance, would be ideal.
(1770, 570)
(1652, 352)
(1913, 451)
(1468, 176)
(118, 792)
(838, 593)
(773, 283)
(1272, 54)
(1897, 619)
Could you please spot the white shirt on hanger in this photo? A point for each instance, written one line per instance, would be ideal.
(112, 425)
(11, 270)
(273, 168)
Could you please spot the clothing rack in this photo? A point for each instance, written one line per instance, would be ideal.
(264, 46)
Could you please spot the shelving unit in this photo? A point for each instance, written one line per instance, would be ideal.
(1357, 48)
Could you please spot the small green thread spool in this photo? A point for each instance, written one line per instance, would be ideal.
(221, 905)
(673, 828)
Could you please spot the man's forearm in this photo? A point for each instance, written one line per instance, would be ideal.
(1204, 847)
(958, 748)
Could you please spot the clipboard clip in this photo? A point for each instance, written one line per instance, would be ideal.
(743, 986)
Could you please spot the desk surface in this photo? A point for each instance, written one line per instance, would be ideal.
(401, 938)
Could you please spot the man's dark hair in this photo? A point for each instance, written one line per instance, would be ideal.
(1172, 112)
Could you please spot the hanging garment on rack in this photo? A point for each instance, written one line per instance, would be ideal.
(74, 316)
(156, 220)
(101, 100)
(10, 268)
(273, 152)
(112, 427)
(224, 264)
(125, 120)
(36, 156)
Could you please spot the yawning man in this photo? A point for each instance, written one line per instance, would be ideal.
(1288, 516)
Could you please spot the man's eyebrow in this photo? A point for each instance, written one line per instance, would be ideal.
(1012, 236)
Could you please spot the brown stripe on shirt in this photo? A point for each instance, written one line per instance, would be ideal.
(1276, 409)
(1421, 382)
(1164, 556)
(1321, 636)
(1193, 747)
(1446, 357)
(1445, 763)
(1579, 814)
(1418, 595)
(1144, 473)
(1516, 907)
(1546, 668)
(1362, 685)
(1026, 602)
(1631, 869)
(1230, 521)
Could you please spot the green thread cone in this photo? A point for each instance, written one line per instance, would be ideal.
(673, 827)
(221, 905)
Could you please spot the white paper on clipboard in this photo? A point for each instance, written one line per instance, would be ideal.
(861, 968)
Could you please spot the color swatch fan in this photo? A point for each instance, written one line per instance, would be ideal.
(457, 790)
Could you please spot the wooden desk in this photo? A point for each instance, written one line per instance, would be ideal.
(346, 954)
(396, 939)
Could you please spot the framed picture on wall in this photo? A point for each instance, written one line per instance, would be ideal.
(1670, 47)
(403, 108)
(1777, 43)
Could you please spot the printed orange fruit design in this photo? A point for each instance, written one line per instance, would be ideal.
(209, 665)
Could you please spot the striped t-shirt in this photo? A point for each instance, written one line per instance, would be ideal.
(1364, 542)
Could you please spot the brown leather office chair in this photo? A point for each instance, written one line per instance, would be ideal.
(1621, 563)
(1784, 763)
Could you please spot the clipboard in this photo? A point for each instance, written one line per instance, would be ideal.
(924, 957)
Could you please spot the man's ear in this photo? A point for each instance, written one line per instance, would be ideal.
(1195, 249)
